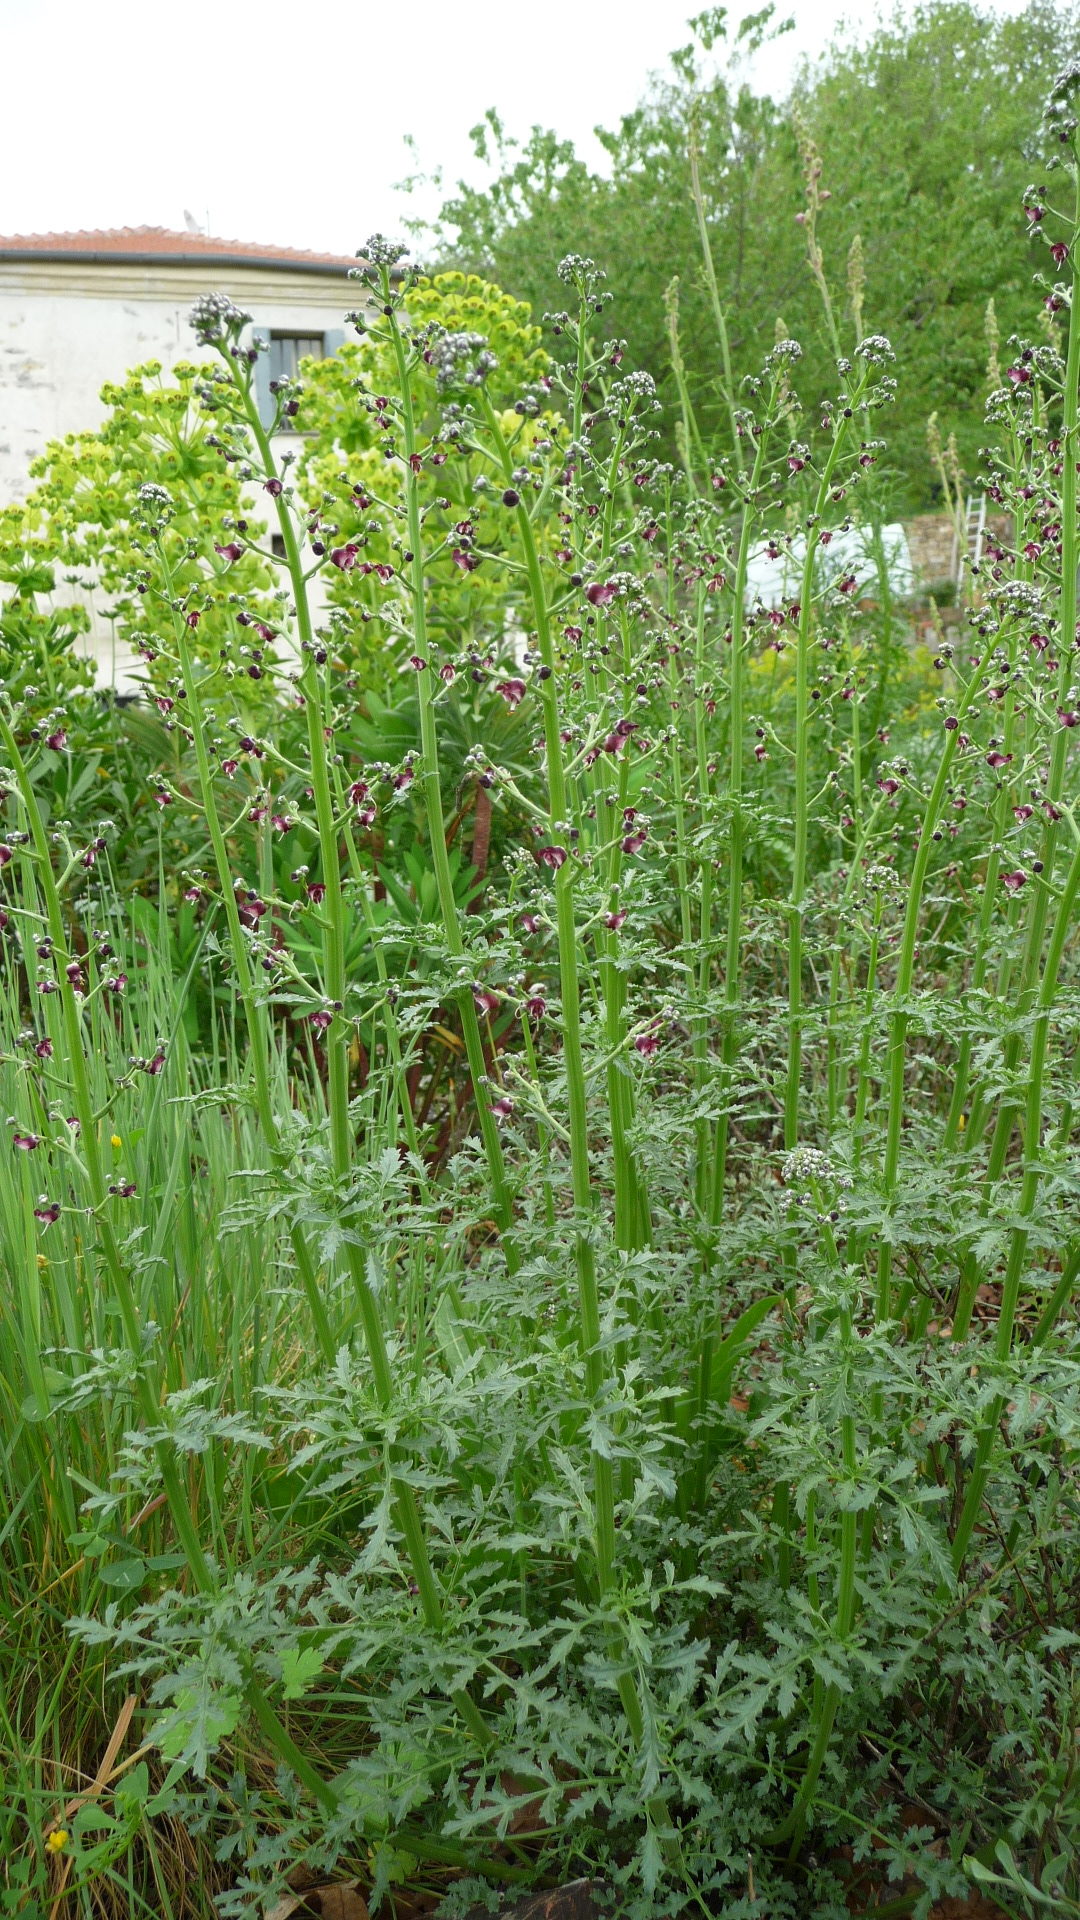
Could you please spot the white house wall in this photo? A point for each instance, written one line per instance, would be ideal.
(69, 328)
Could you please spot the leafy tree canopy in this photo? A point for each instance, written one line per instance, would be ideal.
(914, 142)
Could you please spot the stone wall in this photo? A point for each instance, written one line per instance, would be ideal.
(932, 542)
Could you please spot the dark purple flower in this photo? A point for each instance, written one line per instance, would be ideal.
(417, 662)
(889, 786)
(447, 673)
(1014, 881)
(998, 759)
(232, 551)
(1059, 253)
(44, 1049)
(485, 1002)
(468, 562)
(116, 983)
(553, 857)
(321, 1020)
(316, 892)
(345, 558)
(536, 1006)
(634, 842)
(123, 1190)
(250, 910)
(601, 595)
(646, 1043)
(613, 921)
(193, 620)
(1022, 813)
(5, 855)
(26, 1142)
(57, 741)
(47, 1211)
(513, 692)
(154, 1066)
(274, 488)
(530, 922)
(503, 1107)
(1067, 717)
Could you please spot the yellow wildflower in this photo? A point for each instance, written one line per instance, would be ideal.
(57, 1840)
(115, 1140)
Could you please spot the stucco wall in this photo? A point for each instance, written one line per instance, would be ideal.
(68, 328)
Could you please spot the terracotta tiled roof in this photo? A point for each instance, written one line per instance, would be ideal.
(151, 244)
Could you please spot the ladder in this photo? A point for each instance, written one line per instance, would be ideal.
(974, 537)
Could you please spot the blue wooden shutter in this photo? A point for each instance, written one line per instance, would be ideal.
(263, 397)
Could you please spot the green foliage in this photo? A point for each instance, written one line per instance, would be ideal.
(922, 129)
(538, 1326)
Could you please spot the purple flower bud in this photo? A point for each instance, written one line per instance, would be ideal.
(44, 1049)
(530, 923)
(274, 488)
(57, 741)
(26, 1142)
(5, 855)
(613, 921)
(417, 662)
(503, 1107)
(485, 1002)
(192, 620)
(316, 892)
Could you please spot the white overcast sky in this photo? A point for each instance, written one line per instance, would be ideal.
(286, 123)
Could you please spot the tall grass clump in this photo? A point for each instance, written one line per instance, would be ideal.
(539, 1334)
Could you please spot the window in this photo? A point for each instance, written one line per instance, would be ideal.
(288, 349)
(282, 360)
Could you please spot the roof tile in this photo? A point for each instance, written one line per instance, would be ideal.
(163, 242)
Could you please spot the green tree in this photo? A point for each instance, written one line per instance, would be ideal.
(921, 132)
